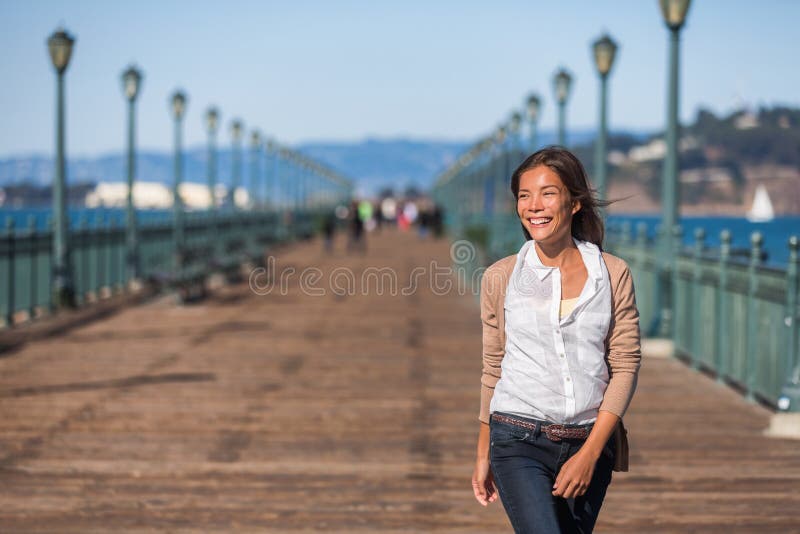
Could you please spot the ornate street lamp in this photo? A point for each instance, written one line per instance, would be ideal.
(561, 83)
(514, 123)
(605, 49)
(533, 107)
(178, 104)
(212, 124)
(60, 46)
(236, 158)
(131, 83)
(674, 13)
(255, 152)
(500, 168)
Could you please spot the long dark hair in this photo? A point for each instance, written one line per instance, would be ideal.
(587, 225)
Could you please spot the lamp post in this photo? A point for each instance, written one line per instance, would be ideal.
(269, 179)
(255, 151)
(532, 109)
(178, 102)
(131, 82)
(236, 158)
(514, 123)
(605, 49)
(500, 138)
(60, 46)
(212, 123)
(561, 83)
(674, 13)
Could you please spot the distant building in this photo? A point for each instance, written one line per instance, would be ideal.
(155, 195)
(617, 157)
(657, 149)
(653, 150)
(746, 121)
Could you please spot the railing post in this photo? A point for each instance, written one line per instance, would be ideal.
(109, 255)
(671, 319)
(50, 230)
(696, 323)
(82, 251)
(626, 233)
(641, 245)
(752, 319)
(10, 282)
(722, 331)
(34, 254)
(789, 398)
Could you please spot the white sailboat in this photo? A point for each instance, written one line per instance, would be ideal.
(761, 210)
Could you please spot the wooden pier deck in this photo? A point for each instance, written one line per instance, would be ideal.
(322, 413)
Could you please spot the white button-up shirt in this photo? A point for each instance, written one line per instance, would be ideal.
(554, 368)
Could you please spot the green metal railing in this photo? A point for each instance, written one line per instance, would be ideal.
(737, 320)
(213, 242)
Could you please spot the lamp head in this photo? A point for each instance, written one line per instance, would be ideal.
(212, 119)
(533, 107)
(236, 129)
(131, 81)
(674, 12)
(178, 104)
(605, 49)
(60, 46)
(562, 83)
(500, 135)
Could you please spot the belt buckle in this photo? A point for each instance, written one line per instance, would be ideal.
(552, 432)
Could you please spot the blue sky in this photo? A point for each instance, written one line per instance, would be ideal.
(345, 69)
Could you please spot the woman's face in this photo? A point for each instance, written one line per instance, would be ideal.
(545, 206)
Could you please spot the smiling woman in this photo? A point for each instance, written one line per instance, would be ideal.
(560, 356)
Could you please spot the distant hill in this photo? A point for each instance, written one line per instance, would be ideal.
(373, 164)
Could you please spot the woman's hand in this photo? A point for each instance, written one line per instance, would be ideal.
(483, 482)
(575, 476)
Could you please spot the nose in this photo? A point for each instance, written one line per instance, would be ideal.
(533, 203)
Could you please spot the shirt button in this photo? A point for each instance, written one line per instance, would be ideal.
(561, 354)
(568, 379)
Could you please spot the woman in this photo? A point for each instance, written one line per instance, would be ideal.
(560, 356)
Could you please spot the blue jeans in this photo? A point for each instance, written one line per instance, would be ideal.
(525, 464)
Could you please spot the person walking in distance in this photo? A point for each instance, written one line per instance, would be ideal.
(561, 355)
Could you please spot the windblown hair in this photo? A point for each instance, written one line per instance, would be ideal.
(587, 225)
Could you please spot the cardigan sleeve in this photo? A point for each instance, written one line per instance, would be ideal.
(624, 351)
(493, 344)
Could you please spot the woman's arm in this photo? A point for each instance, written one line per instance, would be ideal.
(482, 479)
(493, 352)
(576, 474)
(624, 346)
(493, 345)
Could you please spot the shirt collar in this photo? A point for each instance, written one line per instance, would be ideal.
(590, 254)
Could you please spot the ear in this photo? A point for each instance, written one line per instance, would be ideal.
(576, 206)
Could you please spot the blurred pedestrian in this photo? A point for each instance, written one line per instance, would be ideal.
(357, 240)
(329, 230)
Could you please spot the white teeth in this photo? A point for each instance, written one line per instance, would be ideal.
(539, 221)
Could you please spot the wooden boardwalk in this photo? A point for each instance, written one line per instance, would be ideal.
(358, 413)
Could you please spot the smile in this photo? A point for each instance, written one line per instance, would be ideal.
(540, 221)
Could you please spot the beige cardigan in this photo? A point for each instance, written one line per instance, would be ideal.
(623, 349)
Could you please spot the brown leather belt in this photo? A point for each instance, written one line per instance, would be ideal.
(552, 431)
